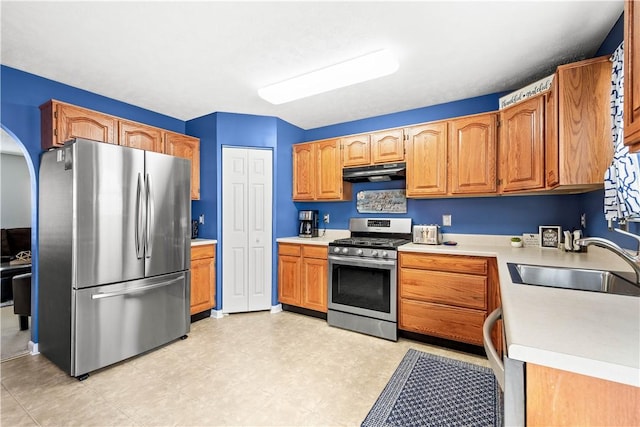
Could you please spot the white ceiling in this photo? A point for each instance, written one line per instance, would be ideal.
(188, 59)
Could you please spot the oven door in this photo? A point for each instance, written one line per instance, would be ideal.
(363, 286)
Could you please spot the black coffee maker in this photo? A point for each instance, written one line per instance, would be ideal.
(307, 223)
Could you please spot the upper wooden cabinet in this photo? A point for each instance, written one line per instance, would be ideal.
(560, 140)
(329, 173)
(187, 147)
(137, 135)
(61, 122)
(304, 171)
(317, 172)
(387, 146)
(427, 160)
(632, 75)
(522, 146)
(368, 149)
(472, 154)
(585, 144)
(356, 150)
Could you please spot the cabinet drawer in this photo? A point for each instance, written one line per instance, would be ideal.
(288, 249)
(453, 263)
(202, 251)
(463, 290)
(313, 251)
(454, 323)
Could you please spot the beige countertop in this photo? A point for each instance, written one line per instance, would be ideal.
(588, 333)
(323, 240)
(198, 242)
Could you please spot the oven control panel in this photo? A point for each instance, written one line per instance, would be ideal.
(364, 252)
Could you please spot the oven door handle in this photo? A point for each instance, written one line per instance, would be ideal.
(362, 262)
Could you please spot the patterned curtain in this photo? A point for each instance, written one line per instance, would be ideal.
(622, 179)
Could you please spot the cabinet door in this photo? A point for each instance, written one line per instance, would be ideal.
(289, 279)
(329, 175)
(356, 151)
(314, 284)
(136, 135)
(632, 75)
(472, 154)
(522, 146)
(562, 398)
(551, 150)
(75, 122)
(584, 121)
(202, 285)
(187, 147)
(304, 171)
(427, 160)
(387, 146)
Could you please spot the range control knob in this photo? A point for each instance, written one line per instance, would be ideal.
(336, 250)
(384, 254)
(345, 250)
(359, 252)
(374, 253)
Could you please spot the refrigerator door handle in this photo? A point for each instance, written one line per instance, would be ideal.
(150, 218)
(139, 232)
(133, 290)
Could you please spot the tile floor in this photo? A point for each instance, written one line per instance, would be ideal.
(250, 369)
(14, 341)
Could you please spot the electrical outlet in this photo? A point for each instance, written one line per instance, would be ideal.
(201, 219)
(446, 220)
(583, 220)
(326, 218)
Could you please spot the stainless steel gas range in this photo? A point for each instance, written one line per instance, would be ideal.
(363, 276)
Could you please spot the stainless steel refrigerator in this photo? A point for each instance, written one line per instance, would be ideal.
(114, 253)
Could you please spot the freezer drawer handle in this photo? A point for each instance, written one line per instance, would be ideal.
(131, 291)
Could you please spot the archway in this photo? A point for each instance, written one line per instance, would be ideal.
(8, 136)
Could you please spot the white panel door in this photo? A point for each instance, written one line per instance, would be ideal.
(259, 239)
(246, 229)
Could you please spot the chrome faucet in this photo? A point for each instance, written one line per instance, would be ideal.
(632, 260)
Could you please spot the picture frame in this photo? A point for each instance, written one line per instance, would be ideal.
(550, 236)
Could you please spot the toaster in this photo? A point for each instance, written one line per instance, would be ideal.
(427, 234)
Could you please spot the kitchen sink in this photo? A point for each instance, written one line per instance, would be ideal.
(611, 282)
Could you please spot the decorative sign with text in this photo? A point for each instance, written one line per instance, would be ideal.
(526, 92)
(381, 201)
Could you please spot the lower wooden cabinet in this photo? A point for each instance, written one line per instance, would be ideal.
(203, 278)
(447, 296)
(560, 398)
(302, 276)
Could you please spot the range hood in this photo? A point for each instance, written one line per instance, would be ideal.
(375, 173)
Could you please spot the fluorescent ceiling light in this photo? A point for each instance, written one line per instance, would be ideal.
(367, 67)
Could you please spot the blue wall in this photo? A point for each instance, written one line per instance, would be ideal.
(242, 130)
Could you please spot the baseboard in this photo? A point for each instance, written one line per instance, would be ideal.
(200, 316)
(33, 348)
(217, 314)
(305, 311)
(276, 308)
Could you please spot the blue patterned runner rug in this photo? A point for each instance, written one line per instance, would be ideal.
(429, 390)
